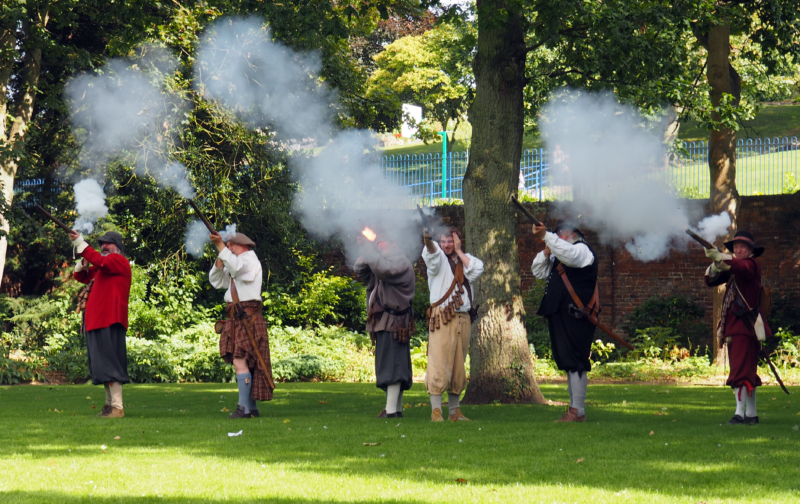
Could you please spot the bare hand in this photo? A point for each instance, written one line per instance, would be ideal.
(547, 252)
(73, 235)
(218, 263)
(539, 230)
(217, 241)
(456, 242)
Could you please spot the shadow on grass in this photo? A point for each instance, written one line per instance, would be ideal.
(39, 497)
(637, 437)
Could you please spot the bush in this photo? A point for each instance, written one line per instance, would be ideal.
(785, 312)
(13, 371)
(303, 367)
(316, 299)
(679, 314)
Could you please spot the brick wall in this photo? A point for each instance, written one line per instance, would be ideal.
(624, 282)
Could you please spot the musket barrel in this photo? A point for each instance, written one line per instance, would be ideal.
(53, 218)
(699, 239)
(202, 217)
(526, 212)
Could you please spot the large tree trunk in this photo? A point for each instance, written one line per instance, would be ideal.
(723, 79)
(501, 367)
(14, 135)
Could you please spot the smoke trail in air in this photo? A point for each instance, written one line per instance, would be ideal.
(120, 108)
(228, 233)
(196, 238)
(277, 90)
(90, 202)
(615, 168)
(716, 225)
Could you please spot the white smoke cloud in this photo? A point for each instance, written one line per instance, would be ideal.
(716, 225)
(228, 233)
(342, 189)
(196, 238)
(615, 168)
(121, 107)
(90, 202)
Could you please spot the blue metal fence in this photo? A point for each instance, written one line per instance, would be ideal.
(763, 166)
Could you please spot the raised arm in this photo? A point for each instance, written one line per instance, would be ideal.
(572, 255)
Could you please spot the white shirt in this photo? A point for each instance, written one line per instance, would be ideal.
(246, 272)
(575, 255)
(440, 276)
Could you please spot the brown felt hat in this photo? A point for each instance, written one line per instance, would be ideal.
(745, 237)
(242, 239)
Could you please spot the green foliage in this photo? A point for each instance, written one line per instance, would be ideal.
(790, 183)
(787, 353)
(432, 70)
(536, 326)
(691, 192)
(316, 298)
(332, 353)
(303, 367)
(516, 383)
(13, 371)
(680, 314)
(785, 312)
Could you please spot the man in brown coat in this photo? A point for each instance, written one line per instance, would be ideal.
(390, 281)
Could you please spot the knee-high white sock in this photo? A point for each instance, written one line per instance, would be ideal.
(400, 401)
(116, 394)
(750, 401)
(108, 393)
(578, 384)
(453, 401)
(392, 393)
(436, 402)
(740, 394)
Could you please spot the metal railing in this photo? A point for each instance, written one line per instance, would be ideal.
(763, 166)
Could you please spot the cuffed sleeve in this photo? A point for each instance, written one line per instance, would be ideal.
(572, 255)
(219, 278)
(79, 266)
(113, 264)
(474, 269)
(541, 266)
(433, 261)
(80, 244)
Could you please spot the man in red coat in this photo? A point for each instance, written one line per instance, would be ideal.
(106, 315)
(740, 326)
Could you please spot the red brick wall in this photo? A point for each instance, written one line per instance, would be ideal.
(625, 283)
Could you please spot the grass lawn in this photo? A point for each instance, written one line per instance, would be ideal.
(173, 446)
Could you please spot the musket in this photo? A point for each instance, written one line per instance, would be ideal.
(53, 218)
(426, 221)
(699, 239)
(526, 212)
(202, 217)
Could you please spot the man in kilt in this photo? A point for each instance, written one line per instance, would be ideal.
(238, 270)
(390, 281)
(105, 321)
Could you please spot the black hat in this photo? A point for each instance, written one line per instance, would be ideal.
(112, 237)
(745, 237)
(566, 225)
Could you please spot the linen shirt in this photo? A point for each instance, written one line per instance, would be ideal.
(245, 269)
(440, 276)
(572, 255)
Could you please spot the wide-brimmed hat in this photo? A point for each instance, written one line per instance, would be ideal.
(747, 238)
(112, 237)
(242, 239)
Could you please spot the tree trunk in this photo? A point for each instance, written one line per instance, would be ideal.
(14, 136)
(501, 367)
(723, 79)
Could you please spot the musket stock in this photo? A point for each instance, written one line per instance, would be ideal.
(526, 212)
(53, 218)
(699, 239)
(202, 217)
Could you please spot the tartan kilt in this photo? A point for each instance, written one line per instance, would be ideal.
(234, 343)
